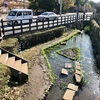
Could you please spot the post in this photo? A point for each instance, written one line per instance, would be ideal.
(77, 1)
(60, 2)
(84, 11)
(60, 7)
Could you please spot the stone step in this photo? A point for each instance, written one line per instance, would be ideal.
(68, 65)
(24, 68)
(78, 72)
(3, 58)
(69, 94)
(72, 87)
(0, 51)
(77, 67)
(17, 65)
(78, 78)
(77, 63)
(64, 71)
(10, 61)
(63, 43)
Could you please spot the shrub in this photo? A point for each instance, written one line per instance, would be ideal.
(4, 78)
(87, 29)
(10, 44)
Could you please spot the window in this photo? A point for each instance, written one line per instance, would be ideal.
(25, 13)
(12, 13)
(19, 14)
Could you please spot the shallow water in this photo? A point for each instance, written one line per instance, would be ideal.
(91, 90)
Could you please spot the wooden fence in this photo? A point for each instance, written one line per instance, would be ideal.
(37, 25)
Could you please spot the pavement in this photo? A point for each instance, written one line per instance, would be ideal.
(3, 16)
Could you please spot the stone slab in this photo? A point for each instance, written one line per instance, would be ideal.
(64, 71)
(77, 67)
(77, 63)
(69, 94)
(63, 43)
(68, 65)
(78, 72)
(73, 87)
(78, 78)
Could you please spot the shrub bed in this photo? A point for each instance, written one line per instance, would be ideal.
(10, 44)
(29, 40)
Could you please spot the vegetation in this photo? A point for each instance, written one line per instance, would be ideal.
(52, 76)
(63, 85)
(54, 5)
(10, 44)
(87, 29)
(50, 5)
(83, 82)
(72, 53)
(4, 79)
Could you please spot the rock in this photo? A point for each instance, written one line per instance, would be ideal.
(64, 71)
(72, 87)
(68, 65)
(63, 43)
(69, 94)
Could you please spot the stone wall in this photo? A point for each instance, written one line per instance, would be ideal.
(95, 38)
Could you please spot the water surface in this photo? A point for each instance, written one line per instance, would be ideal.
(87, 62)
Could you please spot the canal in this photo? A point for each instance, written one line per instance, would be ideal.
(91, 88)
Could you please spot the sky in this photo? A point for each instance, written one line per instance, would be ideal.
(95, 1)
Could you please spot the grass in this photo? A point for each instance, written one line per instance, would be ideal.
(76, 51)
(4, 78)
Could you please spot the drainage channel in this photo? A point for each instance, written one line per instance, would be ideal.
(91, 88)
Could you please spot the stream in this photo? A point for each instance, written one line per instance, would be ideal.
(91, 89)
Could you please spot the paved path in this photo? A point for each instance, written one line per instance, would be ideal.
(3, 16)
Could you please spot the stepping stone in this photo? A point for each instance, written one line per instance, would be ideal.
(63, 43)
(68, 65)
(64, 71)
(78, 72)
(77, 67)
(69, 94)
(77, 63)
(78, 78)
(73, 87)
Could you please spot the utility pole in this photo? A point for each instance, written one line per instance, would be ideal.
(84, 11)
(77, 2)
(60, 2)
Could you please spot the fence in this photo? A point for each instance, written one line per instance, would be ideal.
(37, 25)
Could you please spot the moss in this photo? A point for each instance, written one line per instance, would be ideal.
(4, 78)
(63, 85)
(72, 53)
(10, 44)
(87, 29)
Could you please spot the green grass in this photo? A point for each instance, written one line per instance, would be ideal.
(4, 78)
(76, 51)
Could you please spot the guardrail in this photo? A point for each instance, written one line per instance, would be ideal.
(37, 25)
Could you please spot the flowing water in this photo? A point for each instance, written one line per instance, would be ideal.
(91, 89)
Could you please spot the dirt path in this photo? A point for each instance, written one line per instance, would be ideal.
(38, 77)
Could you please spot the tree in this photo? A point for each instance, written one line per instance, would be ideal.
(44, 5)
(50, 5)
(66, 4)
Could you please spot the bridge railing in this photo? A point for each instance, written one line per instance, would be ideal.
(37, 25)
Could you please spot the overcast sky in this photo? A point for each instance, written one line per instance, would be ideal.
(95, 0)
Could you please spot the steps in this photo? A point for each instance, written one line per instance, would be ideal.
(15, 63)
